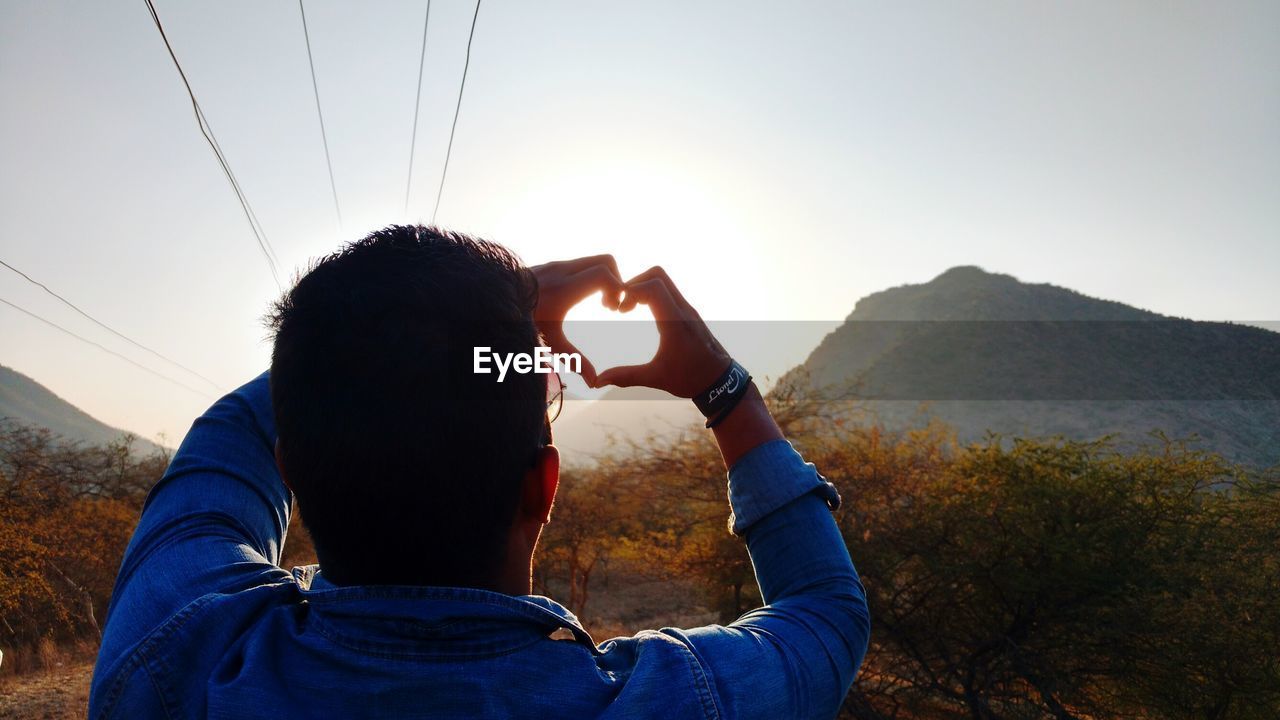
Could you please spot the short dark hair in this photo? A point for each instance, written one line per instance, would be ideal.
(406, 464)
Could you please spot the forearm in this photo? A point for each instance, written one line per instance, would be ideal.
(747, 426)
(226, 464)
(763, 490)
(781, 507)
(810, 637)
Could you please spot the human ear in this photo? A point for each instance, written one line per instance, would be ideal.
(280, 465)
(540, 484)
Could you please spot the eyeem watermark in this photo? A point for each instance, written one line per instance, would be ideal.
(542, 361)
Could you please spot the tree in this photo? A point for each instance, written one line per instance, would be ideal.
(1013, 578)
(588, 526)
(1063, 579)
(66, 514)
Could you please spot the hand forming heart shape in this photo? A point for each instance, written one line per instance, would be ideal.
(609, 339)
(688, 357)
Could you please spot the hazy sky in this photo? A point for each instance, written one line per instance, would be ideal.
(780, 159)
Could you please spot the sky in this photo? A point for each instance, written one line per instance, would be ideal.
(781, 160)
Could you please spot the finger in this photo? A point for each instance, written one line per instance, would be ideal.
(603, 278)
(658, 273)
(657, 296)
(583, 263)
(623, 376)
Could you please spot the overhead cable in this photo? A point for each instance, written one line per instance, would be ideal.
(107, 350)
(263, 243)
(323, 136)
(457, 109)
(107, 327)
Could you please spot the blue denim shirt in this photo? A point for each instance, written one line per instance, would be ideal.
(204, 623)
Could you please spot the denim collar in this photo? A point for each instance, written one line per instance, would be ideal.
(431, 622)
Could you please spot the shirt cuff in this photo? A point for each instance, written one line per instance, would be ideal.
(769, 477)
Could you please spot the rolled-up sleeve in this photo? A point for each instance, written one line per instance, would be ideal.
(768, 478)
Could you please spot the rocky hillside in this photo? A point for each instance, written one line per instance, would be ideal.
(987, 353)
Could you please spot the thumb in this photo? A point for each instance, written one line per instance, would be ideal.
(622, 376)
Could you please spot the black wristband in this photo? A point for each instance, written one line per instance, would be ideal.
(728, 409)
(716, 401)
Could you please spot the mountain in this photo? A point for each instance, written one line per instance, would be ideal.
(28, 402)
(985, 352)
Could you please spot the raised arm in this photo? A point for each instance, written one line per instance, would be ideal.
(797, 656)
(215, 522)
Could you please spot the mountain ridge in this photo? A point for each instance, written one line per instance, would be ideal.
(993, 354)
(965, 285)
(25, 400)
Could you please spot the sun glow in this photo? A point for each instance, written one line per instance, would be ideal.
(645, 211)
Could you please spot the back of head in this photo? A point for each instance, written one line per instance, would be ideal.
(406, 464)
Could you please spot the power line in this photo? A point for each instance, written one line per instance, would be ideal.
(205, 129)
(254, 224)
(107, 350)
(417, 102)
(323, 136)
(445, 172)
(107, 327)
